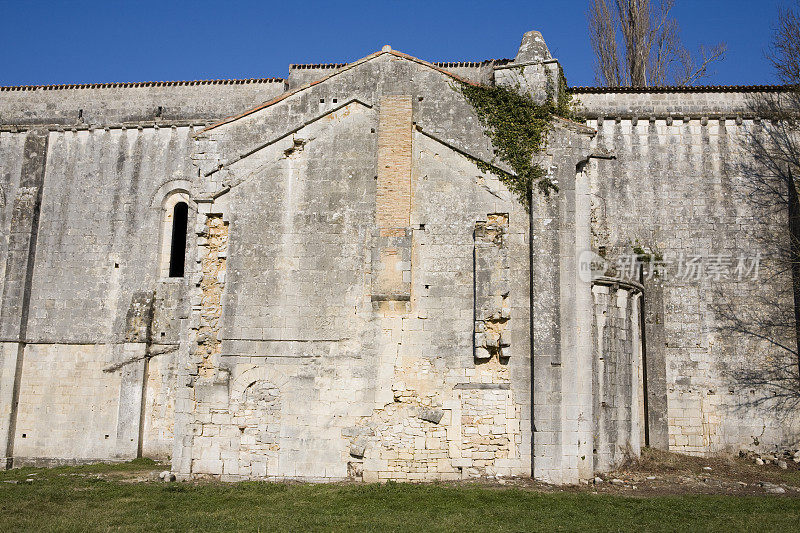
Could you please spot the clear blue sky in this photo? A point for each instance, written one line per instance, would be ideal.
(83, 41)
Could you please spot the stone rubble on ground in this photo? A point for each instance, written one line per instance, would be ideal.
(773, 488)
(780, 458)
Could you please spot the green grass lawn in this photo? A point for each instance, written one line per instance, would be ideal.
(75, 499)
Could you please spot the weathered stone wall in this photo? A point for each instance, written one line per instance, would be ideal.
(348, 307)
(86, 232)
(476, 71)
(678, 103)
(94, 252)
(360, 300)
(115, 103)
(670, 185)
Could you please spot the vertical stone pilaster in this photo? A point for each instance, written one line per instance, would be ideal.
(579, 400)
(561, 309)
(655, 357)
(15, 301)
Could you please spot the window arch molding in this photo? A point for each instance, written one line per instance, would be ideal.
(167, 258)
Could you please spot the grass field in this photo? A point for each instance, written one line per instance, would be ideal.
(108, 498)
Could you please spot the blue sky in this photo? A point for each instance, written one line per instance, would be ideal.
(83, 41)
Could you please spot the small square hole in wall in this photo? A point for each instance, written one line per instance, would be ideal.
(372, 130)
(163, 333)
(321, 100)
(427, 287)
(116, 265)
(106, 437)
(422, 226)
(24, 435)
(419, 99)
(335, 100)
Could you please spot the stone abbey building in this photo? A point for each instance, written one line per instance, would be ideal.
(326, 285)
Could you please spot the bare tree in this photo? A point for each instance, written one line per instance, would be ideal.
(784, 52)
(770, 187)
(636, 43)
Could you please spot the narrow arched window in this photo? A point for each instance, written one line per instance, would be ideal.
(177, 251)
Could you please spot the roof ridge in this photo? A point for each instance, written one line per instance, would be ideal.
(471, 63)
(128, 84)
(294, 66)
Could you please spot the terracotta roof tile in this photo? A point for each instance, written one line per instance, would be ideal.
(680, 89)
(138, 84)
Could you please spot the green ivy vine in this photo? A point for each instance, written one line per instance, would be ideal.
(518, 128)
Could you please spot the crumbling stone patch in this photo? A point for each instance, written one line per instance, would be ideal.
(490, 432)
(492, 305)
(213, 246)
(408, 438)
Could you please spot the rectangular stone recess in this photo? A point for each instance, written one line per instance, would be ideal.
(491, 275)
(392, 277)
(391, 252)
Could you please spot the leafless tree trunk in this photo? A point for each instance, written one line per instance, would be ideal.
(636, 43)
(602, 34)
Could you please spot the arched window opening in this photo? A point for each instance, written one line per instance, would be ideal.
(177, 252)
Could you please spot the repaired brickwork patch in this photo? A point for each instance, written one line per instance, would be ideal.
(393, 194)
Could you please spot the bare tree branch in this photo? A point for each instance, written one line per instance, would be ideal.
(692, 71)
(637, 43)
(784, 52)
